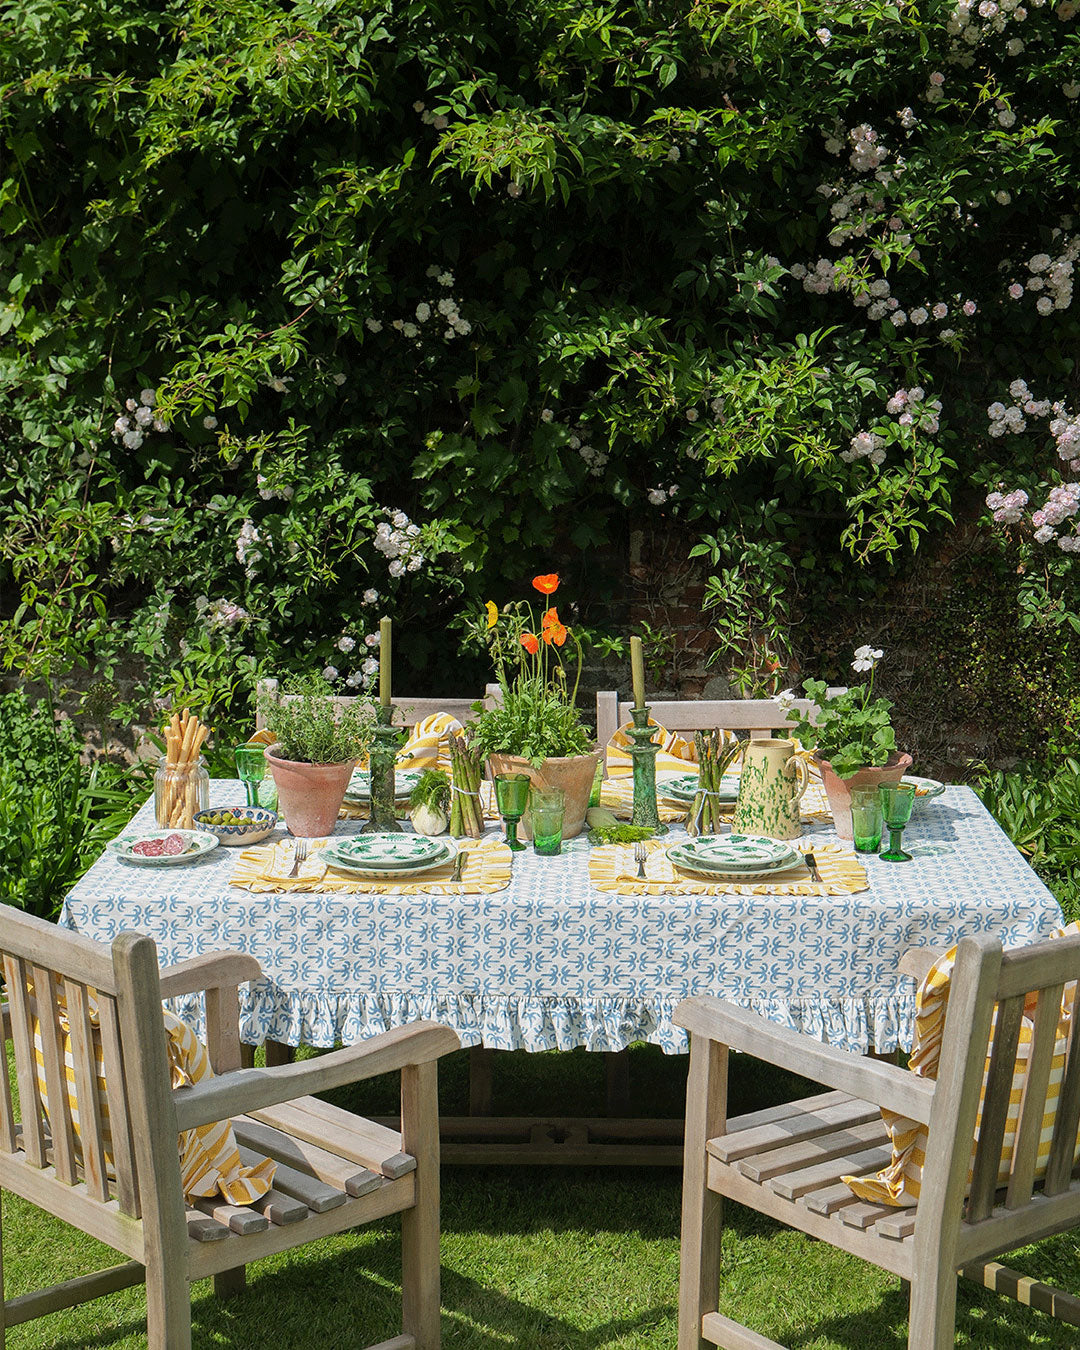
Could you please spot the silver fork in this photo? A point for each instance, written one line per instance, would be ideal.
(640, 854)
(299, 855)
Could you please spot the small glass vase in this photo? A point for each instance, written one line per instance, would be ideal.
(180, 791)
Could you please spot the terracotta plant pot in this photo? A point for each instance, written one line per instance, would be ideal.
(309, 795)
(574, 774)
(839, 789)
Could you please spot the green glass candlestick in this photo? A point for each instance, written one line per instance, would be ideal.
(643, 756)
(383, 762)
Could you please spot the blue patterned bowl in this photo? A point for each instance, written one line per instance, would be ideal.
(258, 823)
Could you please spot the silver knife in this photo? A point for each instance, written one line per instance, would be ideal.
(459, 864)
(808, 858)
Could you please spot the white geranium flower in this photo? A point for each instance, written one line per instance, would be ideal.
(785, 699)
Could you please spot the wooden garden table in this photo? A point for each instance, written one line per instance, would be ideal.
(551, 963)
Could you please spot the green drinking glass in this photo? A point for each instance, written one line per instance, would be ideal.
(251, 769)
(512, 797)
(897, 804)
(866, 819)
(546, 806)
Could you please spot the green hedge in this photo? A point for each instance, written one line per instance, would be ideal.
(507, 281)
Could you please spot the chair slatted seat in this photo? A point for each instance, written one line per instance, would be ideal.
(790, 1166)
(105, 1159)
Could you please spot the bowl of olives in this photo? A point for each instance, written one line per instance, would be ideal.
(236, 824)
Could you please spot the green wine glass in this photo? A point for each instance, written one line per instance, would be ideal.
(251, 769)
(896, 807)
(512, 797)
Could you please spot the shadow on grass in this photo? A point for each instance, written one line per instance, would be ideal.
(346, 1300)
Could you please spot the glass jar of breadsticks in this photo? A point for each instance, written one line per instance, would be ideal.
(182, 783)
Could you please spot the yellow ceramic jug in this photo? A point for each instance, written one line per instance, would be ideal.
(771, 786)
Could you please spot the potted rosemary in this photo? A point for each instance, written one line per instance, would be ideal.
(316, 746)
(537, 729)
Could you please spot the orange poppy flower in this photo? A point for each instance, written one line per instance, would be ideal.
(553, 630)
(530, 643)
(547, 585)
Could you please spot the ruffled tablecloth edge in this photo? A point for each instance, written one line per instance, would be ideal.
(879, 1022)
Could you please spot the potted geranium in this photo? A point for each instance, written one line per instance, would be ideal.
(316, 746)
(852, 737)
(537, 729)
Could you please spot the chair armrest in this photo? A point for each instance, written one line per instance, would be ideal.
(251, 1089)
(212, 970)
(916, 961)
(869, 1079)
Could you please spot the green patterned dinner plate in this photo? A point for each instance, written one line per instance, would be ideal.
(682, 787)
(388, 850)
(731, 853)
(195, 844)
(359, 789)
(357, 866)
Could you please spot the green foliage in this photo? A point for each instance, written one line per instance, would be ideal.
(851, 730)
(309, 728)
(1038, 807)
(56, 813)
(524, 277)
(433, 791)
(534, 722)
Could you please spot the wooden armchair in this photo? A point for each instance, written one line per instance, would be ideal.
(760, 717)
(335, 1170)
(787, 1161)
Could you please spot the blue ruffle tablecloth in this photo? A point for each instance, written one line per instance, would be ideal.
(551, 963)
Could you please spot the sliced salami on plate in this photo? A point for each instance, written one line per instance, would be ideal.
(151, 848)
(173, 844)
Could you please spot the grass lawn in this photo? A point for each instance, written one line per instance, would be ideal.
(574, 1259)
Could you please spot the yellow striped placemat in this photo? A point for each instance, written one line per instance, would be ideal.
(612, 868)
(617, 794)
(486, 870)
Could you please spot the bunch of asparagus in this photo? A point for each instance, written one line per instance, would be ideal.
(714, 757)
(466, 814)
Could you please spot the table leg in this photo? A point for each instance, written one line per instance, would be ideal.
(480, 1058)
(247, 1055)
(617, 1082)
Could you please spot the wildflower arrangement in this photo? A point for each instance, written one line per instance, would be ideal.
(852, 730)
(538, 718)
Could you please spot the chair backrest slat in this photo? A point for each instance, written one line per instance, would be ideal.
(84, 1061)
(1033, 1104)
(7, 1109)
(995, 1109)
(22, 1038)
(123, 1152)
(1059, 1165)
(758, 716)
(51, 1034)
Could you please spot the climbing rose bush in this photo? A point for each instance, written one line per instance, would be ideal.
(313, 313)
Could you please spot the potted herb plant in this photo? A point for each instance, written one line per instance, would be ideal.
(316, 745)
(537, 728)
(852, 737)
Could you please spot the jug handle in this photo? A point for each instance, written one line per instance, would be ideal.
(802, 774)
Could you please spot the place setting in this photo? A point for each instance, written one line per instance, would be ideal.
(727, 863)
(385, 863)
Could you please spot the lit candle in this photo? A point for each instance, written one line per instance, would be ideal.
(384, 662)
(637, 667)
